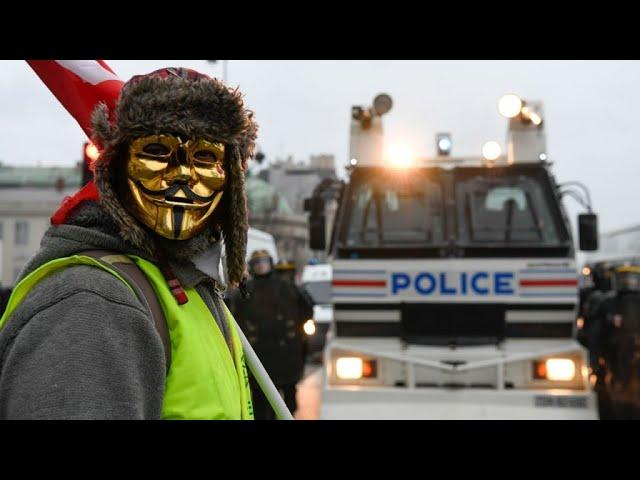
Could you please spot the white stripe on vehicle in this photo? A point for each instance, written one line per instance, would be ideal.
(539, 316)
(367, 315)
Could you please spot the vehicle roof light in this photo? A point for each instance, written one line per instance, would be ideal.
(491, 150)
(444, 144)
(399, 156)
(510, 105)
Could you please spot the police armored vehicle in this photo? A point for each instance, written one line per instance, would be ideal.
(454, 282)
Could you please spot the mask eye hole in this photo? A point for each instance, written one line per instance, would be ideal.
(156, 149)
(205, 156)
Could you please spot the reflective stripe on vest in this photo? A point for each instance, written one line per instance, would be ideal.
(204, 380)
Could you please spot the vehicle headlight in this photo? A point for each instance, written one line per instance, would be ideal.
(309, 327)
(555, 369)
(354, 368)
(349, 368)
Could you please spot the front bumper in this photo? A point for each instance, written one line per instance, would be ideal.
(366, 403)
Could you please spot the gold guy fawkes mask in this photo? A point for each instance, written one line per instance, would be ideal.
(172, 186)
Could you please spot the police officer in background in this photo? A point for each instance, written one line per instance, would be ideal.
(595, 331)
(621, 309)
(591, 297)
(272, 318)
(286, 271)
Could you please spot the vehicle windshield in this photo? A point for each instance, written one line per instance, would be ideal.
(395, 210)
(504, 209)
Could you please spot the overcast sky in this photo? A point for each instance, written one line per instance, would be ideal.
(303, 108)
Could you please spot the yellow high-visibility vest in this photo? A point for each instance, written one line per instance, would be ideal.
(205, 380)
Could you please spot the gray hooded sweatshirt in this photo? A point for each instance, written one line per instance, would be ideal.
(82, 345)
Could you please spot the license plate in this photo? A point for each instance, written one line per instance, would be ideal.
(555, 401)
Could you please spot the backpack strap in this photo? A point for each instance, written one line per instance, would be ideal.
(130, 271)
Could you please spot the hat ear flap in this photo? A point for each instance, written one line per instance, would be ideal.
(102, 131)
(236, 220)
(247, 144)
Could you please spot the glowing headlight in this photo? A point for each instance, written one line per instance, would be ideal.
(399, 156)
(355, 368)
(560, 369)
(510, 105)
(491, 150)
(555, 369)
(309, 327)
(349, 368)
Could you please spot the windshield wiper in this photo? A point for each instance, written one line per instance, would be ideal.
(507, 229)
(534, 215)
(365, 217)
(471, 216)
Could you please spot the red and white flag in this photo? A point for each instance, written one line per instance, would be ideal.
(80, 85)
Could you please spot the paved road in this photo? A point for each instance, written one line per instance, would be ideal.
(308, 394)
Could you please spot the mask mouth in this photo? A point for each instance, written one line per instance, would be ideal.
(180, 200)
(169, 194)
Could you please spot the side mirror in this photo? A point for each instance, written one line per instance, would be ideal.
(317, 233)
(588, 231)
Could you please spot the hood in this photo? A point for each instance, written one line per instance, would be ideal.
(180, 102)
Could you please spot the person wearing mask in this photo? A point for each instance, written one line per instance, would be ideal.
(272, 318)
(115, 316)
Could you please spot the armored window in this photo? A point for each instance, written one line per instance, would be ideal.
(505, 209)
(400, 210)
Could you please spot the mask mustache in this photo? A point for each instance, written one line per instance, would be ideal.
(175, 188)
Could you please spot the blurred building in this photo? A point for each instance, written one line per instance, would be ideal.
(270, 211)
(30, 195)
(276, 202)
(28, 198)
(296, 181)
(619, 246)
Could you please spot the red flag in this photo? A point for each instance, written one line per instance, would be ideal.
(80, 85)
